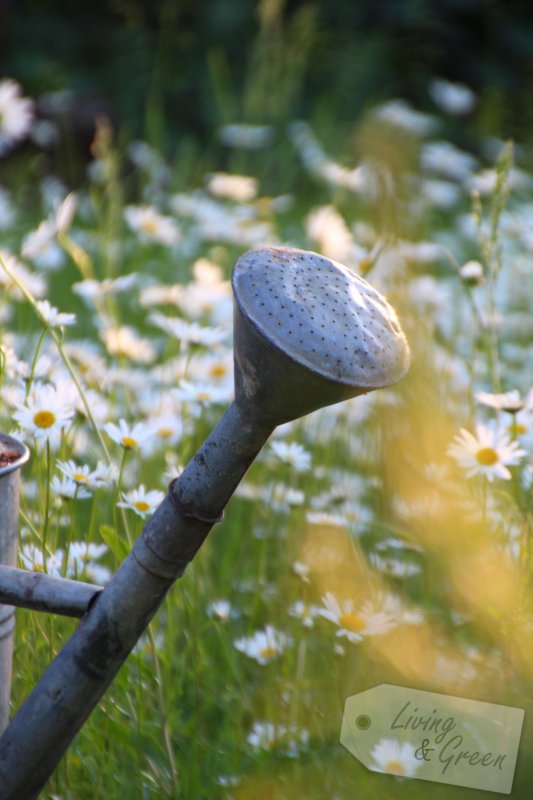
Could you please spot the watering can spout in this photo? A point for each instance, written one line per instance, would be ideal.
(309, 332)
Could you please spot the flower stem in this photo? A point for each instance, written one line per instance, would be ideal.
(161, 707)
(31, 300)
(46, 504)
(34, 363)
(122, 510)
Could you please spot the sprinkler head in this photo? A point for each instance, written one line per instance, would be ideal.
(309, 332)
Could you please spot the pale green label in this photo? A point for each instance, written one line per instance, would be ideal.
(433, 737)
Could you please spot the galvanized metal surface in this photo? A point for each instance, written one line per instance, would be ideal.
(322, 315)
(308, 332)
(40, 592)
(271, 386)
(14, 454)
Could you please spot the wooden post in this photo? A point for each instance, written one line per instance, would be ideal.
(13, 455)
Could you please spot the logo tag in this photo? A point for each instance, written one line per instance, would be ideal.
(434, 737)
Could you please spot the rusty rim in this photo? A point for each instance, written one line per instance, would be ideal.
(8, 448)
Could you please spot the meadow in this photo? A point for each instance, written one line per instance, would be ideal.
(386, 539)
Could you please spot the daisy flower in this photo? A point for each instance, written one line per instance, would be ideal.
(41, 247)
(16, 114)
(128, 437)
(302, 570)
(188, 332)
(325, 519)
(489, 453)
(395, 758)
(452, 98)
(251, 137)
(76, 473)
(263, 646)
(104, 474)
(400, 114)
(282, 498)
(404, 615)
(82, 474)
(201, 394)
(35, 283)
(142, 502)
(326, 227)
(151, 226)
(125, 342)
(241, 188)
(68, 489)
(507, 401)
(267, 736)
(161, 295)
(220, 610)
(293, 454)
(42, 370)
(304, 612)
(167, 429)
(44, 414)
(394, 567)
(31, 557)
(80, 552)
(521, 427)
(81, 558)
(92, 289)
(472, 273)
(53, 317)
(354, 625)
(217, 367)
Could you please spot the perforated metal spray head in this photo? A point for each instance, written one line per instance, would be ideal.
(309, 332)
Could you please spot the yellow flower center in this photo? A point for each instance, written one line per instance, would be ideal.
(164, 433)
(364, 265)
(128, 442)
(203, 397)
(268, 652)
(149, 226)
(394, 767)
(80, 477)
(44, 419)
(141, 505)
(352, 622)
(518, 428)
(487, 456)
(218, 371)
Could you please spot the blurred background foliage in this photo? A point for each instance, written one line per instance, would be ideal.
(170, 69)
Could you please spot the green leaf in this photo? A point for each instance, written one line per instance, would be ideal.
(112, 539)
